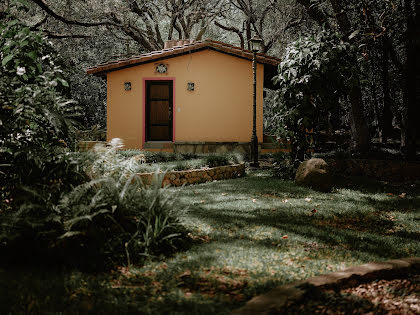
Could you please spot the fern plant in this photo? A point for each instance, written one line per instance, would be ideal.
(116, 216)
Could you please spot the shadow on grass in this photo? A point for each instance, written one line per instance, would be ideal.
(370, 243)
(231, 217)
(369, 185)
(359, 230)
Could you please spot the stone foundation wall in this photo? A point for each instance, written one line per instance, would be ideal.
(379, 169)
(213, 147)
(179, 178)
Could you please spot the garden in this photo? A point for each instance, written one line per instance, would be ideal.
(83, 232)
(242, 237)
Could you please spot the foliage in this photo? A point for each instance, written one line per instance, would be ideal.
(95, 133)
(313, 76)
(238, 230)
(284, 167)
(96, 223)
(115, 216)
(213, 160)
(36, 127)
(181, 166)
(37, 120)
(111, 219)
(208, 159)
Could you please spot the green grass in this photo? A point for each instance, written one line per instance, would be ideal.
(239, 248)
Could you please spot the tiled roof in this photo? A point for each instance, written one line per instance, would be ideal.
(180, 50)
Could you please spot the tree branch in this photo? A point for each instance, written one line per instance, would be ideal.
(316, 14)
(62, 36)
(292, 24)
(44, 6)
(232, 29)
(37, 25)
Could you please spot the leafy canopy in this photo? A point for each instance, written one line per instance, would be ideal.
(314, 75)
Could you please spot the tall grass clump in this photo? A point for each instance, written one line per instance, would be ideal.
(114, 218)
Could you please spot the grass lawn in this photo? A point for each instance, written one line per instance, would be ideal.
(248, 235)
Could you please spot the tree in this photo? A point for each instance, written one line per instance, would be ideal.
(358, 124)
(313, 79)
(267, 19)
(148, 23)
(411, 96)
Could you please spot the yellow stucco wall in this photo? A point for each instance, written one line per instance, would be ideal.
(218, 110)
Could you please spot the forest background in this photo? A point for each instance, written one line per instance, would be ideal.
(345, 62)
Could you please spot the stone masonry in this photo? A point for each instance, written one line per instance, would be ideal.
(189, 177)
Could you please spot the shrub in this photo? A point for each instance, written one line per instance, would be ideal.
(37, 127)
(304, 100)
(285, 167)
(95, 133)
(110, 219)
(214, 160)
(132, 152)
(181, 165)
(37, 120)
(188, 156)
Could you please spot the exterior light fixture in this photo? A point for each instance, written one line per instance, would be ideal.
(190, 86)
(255, 45)
(127, 86)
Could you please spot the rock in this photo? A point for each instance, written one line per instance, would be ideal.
(314, 173)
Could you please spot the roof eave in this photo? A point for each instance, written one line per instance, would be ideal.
(182, 50)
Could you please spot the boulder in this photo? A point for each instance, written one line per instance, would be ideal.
(314, 173)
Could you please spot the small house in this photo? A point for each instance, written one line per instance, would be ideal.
(190, 96)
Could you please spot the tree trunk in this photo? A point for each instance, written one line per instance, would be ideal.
(411, 97)
(359, 127)
(386, 119)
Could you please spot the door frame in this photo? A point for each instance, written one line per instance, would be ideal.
(145, 100)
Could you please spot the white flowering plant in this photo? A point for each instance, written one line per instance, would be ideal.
(35, 116)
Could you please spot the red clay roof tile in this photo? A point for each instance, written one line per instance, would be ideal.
(179, 50)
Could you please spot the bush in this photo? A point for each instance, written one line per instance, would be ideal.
(116, 217)
(37, 120)
(55, 213)
(111, 219)
(304, 102)
(95, 133)
(181, 166)
(216, 160)
(284, 166)
(189, 156)
(213, 160)
(111, 222)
